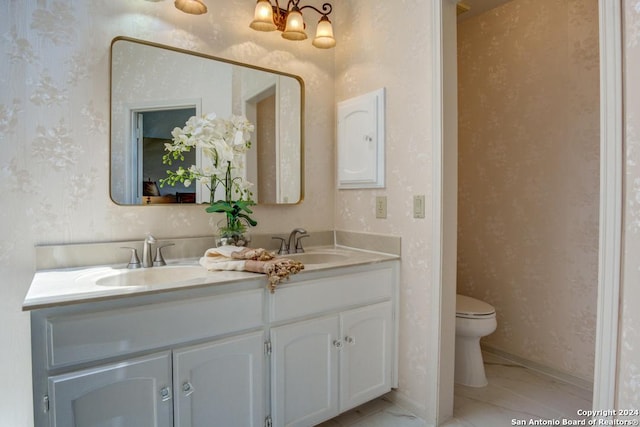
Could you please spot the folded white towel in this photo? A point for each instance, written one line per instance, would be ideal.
(220, 259)
(247, 259)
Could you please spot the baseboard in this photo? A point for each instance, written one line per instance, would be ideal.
(405, 403)
(534, 366)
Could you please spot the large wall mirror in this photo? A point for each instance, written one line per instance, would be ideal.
(155, 88)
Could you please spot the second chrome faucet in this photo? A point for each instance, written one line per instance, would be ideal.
(292, 245)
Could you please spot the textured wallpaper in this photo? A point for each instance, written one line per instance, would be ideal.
(54, 134)
(369, 57)
(529, 177)
(628, 395)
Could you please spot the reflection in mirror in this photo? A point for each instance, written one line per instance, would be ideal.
(156, 88)
(155, 127)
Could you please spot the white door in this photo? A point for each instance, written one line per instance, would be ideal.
(221, 383)
(136, 392)
(366, 359)
(304, 382)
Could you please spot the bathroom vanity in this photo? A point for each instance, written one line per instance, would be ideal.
(216, 349)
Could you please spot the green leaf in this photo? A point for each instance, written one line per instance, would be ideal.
(249, 220)
(244, 205)
(220, 206)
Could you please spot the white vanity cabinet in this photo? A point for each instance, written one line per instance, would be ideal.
(149, 361)
(341, 357)
(230, 354)
(220, 380)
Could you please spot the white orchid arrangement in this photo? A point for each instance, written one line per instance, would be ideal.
(224, 142)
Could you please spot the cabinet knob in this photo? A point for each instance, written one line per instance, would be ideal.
(337, 343)
(165, 393)
(350, 340)
(187, 388)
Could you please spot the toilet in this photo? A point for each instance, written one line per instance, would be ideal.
(474, 319)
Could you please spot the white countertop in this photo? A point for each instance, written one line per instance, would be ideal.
(51, 288)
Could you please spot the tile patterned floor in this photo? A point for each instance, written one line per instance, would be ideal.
(513, 393)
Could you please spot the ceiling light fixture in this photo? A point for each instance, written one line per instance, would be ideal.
(194, 7)
(290, 21)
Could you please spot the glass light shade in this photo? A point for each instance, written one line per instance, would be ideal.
(324, 34)
(194, 7)
(294, 29)
(263, 17)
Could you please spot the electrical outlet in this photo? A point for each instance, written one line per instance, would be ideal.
(381, 206)
(418, 206)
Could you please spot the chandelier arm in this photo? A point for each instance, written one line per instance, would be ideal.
(326, 8)
(283, 9)
(280, 14)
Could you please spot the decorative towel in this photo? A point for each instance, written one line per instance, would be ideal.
(253, 260)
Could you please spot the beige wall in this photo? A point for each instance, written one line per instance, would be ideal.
(54, 134)
(628, 395)
(529, 177)
(375, 50)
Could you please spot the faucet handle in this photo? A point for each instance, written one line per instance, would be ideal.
(284, 248)
(159, 259)
(299, 248)
(134, 262)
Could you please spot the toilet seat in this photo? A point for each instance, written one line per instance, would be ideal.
(471, 308)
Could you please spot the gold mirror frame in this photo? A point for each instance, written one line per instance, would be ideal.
(165, 48)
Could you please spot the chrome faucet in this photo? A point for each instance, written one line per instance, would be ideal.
(146, 251)
(294, 245)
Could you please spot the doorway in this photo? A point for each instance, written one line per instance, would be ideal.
(154, 129)
(262, 161)
(445, 136)
(149, 129)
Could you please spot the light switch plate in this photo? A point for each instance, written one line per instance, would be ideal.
(381, 206)
(418, 206)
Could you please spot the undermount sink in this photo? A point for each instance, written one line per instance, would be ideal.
(317, 257)
(155, 276)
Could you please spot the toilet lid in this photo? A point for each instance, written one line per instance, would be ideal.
(467, 306)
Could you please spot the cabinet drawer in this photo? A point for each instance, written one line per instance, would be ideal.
(316, 296)
(97, 335)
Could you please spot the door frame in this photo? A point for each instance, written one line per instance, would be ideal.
(132, 154)
(439, 406)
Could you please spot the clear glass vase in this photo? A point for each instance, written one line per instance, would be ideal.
(237, 235)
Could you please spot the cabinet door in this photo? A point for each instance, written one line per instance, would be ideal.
(366, 359)
(361, 141)
(132, 393)
(304, 384)
(221, 383)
